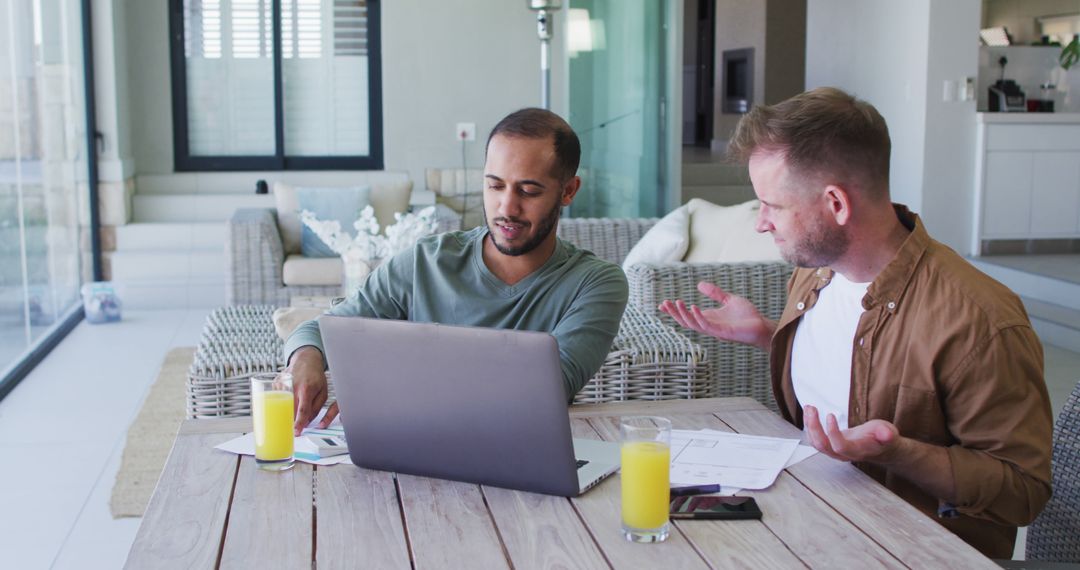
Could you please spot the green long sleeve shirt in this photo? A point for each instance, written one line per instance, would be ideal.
(575, 296)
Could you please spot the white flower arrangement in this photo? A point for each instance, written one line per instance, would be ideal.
(368, 246)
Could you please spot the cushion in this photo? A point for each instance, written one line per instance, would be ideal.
(663, 243)
(300, 270)
(726, 234)
(286, 319)
(386, 199)
(340, 204)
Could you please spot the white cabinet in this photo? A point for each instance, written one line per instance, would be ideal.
(1028, 179)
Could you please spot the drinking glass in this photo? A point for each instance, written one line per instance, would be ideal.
(646, 473)
(272, 414)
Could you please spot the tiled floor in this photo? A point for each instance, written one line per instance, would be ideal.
(62, 434)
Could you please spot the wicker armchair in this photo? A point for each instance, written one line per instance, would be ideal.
(255, 256)
(1053, 536)
(737, 370)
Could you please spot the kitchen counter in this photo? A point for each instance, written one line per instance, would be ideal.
(1028, 118)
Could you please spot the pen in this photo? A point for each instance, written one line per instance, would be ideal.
(694, 490)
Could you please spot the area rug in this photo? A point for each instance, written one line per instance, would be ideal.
(151, 436)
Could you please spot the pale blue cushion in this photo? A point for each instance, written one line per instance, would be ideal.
(341, 204)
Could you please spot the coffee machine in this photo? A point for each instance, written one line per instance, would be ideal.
(1005, 95)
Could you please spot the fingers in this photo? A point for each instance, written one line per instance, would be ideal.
(680, 313)
(818, 438)
(713, 292)
(331, 413)
(837, 441)
(310, 401)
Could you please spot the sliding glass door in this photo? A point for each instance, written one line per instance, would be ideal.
(618, 102)
(45, 251)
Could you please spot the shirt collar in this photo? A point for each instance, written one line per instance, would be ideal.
(890, 283)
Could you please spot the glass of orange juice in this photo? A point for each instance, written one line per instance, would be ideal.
(645, 474)
(272, 414)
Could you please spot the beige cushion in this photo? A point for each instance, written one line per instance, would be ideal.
(726, 234)
(286, 319)
(386, 199)
(300, 270)
(663, 243)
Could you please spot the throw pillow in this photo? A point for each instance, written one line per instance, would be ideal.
(288, 216)
(663, 243)
(341, 204)
(727, 234)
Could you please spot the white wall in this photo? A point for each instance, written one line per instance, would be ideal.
(443, 63)
(898, 57)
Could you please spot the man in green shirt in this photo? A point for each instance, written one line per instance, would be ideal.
(513, 273)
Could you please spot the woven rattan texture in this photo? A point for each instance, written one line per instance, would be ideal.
(648, 361)
(1055, 535)
(737, 370)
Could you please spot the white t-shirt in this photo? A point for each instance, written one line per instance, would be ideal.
(821, 354)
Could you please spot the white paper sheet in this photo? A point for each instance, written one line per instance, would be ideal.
(735, 461)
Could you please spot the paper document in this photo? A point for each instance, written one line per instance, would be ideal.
(303, 449)
(735, 461)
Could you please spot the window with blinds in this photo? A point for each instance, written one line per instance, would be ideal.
(310, 101)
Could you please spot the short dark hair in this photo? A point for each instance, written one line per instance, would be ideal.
(824, 132)
(534, 123)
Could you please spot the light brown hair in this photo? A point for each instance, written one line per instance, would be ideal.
(824, 133)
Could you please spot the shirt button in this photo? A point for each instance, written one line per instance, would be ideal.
(891, 305)
(861, 341)
(800, 306)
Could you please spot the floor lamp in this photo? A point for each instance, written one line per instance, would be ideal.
(545, 15)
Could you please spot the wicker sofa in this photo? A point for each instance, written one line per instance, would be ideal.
(737, 370)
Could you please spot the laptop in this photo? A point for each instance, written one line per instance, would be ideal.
(470, 404)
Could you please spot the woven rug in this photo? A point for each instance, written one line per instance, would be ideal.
(151, 436)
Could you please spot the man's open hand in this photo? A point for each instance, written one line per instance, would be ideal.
(736, 319)
(310, 388)
(875, 441)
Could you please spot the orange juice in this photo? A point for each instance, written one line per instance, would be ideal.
(272, 412)
(646, 470)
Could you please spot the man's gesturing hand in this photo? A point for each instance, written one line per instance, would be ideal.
(309, 387)
(736, 319)
(875, 441)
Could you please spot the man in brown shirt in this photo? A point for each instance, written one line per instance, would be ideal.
(893, 352)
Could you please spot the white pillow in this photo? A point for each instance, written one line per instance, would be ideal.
(386, 199)
(726, 234)
(663, 243)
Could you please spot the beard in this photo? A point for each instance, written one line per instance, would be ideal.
(547, 224)
(820, 247)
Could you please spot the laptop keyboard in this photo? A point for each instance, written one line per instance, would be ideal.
(581, 463)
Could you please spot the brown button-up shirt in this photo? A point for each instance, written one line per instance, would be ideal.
(948, 355)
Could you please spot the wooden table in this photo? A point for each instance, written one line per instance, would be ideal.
(213, 509)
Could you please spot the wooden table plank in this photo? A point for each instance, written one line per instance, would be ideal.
(358, 519)
(894, 524)
(185, 519)
(542, 531)
(449, 525)
(600, 509)
(235, 426)
(270, 522)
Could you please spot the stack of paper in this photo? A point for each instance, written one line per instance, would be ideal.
(303, 449)
(734, 461)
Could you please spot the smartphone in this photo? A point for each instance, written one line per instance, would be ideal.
(712, 507)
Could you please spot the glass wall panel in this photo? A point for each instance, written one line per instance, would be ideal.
(617, 85)
(325, 76)
(230, 77)
(43, 170)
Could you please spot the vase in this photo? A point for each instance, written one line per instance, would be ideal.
(354, 270)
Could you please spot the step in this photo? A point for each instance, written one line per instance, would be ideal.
(1031, 285)
(171, 236)
(204, 183)
(715, 173)
(1055, 324)
(184, 208)
(721, 195)
(135, 266)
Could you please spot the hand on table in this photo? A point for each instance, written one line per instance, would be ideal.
(735, 320)
(874, 441)
(310, 388)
